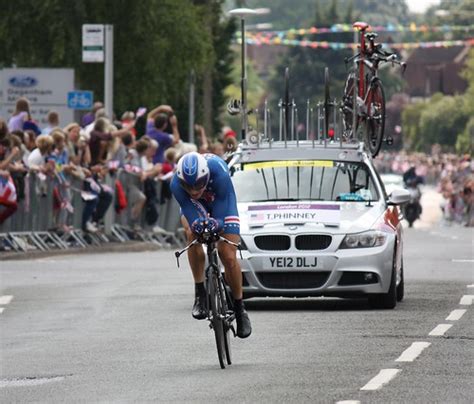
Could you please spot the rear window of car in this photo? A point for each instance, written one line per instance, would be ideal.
(295, 180)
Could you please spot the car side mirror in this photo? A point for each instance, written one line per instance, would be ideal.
(398, 197)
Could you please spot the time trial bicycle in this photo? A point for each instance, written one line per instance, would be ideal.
(369, 99)
(220, 313)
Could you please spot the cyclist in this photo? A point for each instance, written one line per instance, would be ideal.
(204, 190)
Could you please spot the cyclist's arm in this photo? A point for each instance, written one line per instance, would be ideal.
(225, 197)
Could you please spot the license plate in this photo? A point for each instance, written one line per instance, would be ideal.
(291, 263)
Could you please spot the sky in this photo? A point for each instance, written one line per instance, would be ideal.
(420, 6)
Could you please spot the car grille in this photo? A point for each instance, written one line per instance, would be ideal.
(273, 242)
(312, 242)
(292, 280)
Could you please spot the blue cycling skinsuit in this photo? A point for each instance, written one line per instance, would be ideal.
(218, 200)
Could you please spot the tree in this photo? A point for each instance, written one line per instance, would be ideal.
(307, 66)
(156, 45)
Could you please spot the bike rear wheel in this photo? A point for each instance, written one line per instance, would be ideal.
(327, 102)
(217, 319)
(375, 117)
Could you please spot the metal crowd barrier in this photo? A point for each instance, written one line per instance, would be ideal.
(32, 226)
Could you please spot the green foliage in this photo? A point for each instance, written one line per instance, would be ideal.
(255, 93)
(307, 65)
(440, 120)
(156, 44)
(465, 140)
(411, 125)
(445, 120)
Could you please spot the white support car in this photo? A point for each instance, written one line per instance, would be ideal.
(316, 221)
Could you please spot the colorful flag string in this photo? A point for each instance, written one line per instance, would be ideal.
(338, 28)
(344, 45)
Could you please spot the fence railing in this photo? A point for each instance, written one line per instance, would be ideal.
(34, 226)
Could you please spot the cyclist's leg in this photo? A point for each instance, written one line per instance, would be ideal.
(227, 253)
(228, 256)
(196, 256)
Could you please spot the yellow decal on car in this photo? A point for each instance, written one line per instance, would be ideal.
(289, 163)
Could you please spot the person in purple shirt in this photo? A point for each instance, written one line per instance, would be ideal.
(157, 122)
(88, 118)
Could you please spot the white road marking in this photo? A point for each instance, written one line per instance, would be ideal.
(29, 381)
(411, 353)
(470, 286)
(1, 310)
(5, 299)
(348, 402)
(462, 260)
(440, 329)
(466, 300)
(384, 376)
(454, 237)
(456, 314)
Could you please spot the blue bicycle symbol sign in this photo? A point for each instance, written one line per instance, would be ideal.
(80, 99)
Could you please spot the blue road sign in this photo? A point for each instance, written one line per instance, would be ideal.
(80, 99)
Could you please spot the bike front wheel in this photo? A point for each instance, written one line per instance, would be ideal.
(225, 299)
(217, 320)
(375, 122)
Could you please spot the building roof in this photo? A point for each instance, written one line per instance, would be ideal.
(429, 56)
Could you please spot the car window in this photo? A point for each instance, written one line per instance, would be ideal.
(304, 180)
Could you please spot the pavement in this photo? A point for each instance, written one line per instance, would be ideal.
(129, 246)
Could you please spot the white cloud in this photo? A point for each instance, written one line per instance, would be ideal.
(420, 6)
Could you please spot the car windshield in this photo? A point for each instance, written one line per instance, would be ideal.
(297, 180)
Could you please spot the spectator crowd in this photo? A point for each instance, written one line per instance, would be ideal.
(451, 174)
(86, 153)
(146, 146)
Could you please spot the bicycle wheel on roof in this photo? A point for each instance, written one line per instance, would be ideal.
(375, 117)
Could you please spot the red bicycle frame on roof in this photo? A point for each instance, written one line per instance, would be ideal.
(361, 27)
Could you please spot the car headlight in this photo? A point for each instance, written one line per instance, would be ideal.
(367, 239)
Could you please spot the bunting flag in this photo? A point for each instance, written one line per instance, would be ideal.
(353, 46)
(338, 28)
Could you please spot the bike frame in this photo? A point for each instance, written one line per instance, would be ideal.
(361, 62)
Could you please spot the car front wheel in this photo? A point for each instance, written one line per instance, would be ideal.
(386, 300)
(401, 286)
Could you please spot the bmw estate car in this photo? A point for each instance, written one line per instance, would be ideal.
(316, 221)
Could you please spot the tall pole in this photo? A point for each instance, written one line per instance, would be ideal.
(243, 88)
(192, 79)
(109, 71)
(242, 13)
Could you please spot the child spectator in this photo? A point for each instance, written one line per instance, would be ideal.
(53, 122)
(61, 190)
(135, 175)
(37, 160)
(20, 115)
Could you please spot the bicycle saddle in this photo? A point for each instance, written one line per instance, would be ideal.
(362, 26)
(371, 35)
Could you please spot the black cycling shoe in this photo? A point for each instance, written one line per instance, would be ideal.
(199, 311)
(244, 328)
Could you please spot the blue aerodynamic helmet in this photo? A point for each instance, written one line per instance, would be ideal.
(193, 172)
